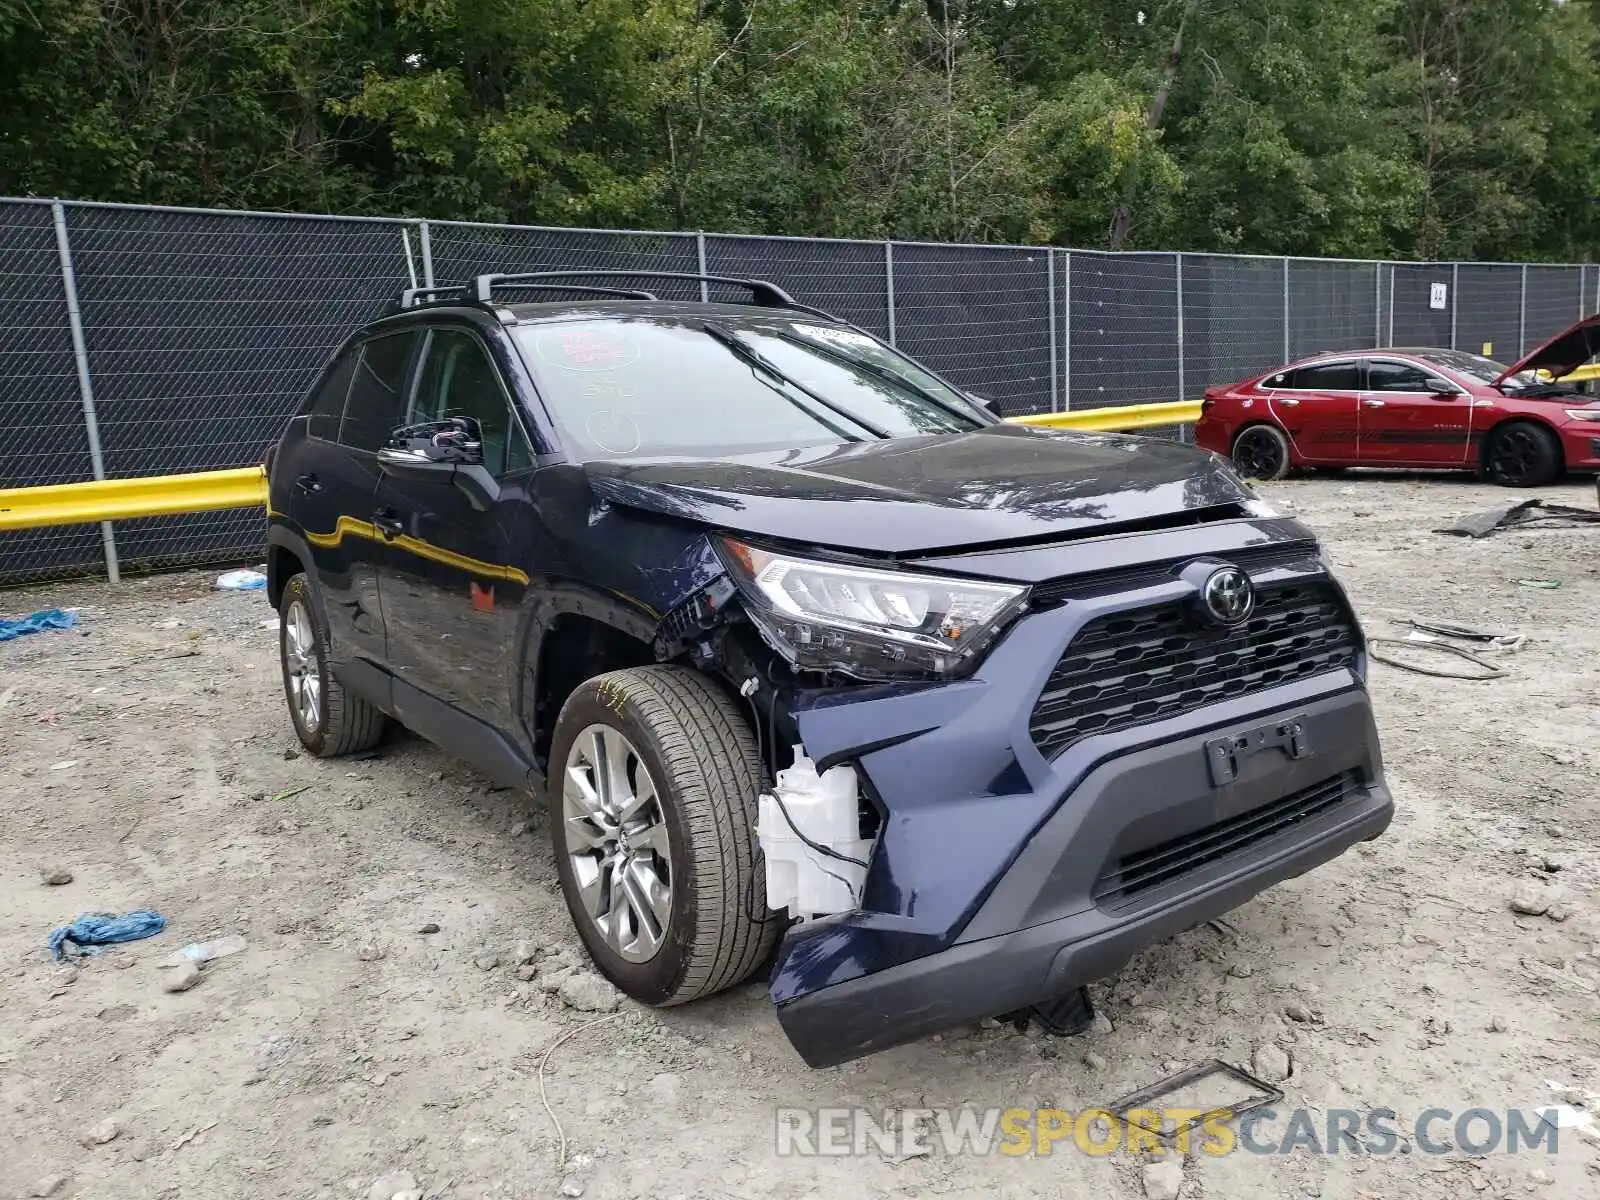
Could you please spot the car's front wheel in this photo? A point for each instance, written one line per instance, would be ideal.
(1522, 454)
(653, 783)
(328, 720)
(1261, 452)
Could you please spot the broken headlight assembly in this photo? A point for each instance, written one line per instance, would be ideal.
(867, 623)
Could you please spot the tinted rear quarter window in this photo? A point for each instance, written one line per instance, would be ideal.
(1327, 377)
(375, 404)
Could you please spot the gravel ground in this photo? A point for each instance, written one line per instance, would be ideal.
(147, 753)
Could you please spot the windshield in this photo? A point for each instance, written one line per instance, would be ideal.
(623, 387)
(1478, 368)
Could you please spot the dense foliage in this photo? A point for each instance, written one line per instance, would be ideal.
(1407, 128)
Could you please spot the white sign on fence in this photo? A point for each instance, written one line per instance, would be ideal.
(1438, 295)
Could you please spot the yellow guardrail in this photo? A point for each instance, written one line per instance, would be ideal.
(119, 499)
(1129, 416)
(246, 487)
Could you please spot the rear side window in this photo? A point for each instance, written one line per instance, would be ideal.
(326, 409)
(1327, 377)
(374, 407)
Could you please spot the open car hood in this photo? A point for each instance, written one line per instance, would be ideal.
(1562, 354)
(914, 495)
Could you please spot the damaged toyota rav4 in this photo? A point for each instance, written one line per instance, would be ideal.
(823, 669)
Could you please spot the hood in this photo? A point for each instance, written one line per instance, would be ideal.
(1003, 483)
(1562, 354)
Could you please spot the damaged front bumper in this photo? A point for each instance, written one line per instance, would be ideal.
(1002, 880)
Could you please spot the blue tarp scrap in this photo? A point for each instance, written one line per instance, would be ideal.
(104, 929)
(38, 622)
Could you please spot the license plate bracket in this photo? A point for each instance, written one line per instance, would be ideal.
(1225, 755)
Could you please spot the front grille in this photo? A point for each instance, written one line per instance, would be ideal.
(1155, 865)
(1255, 559)
(1133, 668)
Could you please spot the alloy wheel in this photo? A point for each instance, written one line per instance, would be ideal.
(1515, 455)
(617, 842)
(1257, 454)
(302, 669)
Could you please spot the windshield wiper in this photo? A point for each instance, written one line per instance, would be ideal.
(754, 358)
(877, 371)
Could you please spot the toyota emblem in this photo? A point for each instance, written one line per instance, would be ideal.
(1228, 596)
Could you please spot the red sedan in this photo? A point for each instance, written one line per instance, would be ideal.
(1414, 408)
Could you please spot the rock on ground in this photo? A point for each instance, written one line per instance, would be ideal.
(1163, 1179)
(105, 1131)
(48, 1185)
(1271, 1062)
(1531, 900)
(181, 977)
(56, 876)
(587, 992)
(392, 1186)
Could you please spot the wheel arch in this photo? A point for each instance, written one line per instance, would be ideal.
(1522, 418)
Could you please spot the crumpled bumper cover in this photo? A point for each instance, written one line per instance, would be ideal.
(982, 894)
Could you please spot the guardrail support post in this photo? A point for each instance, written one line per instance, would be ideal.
(888, 286)
(427, 253)
(80, 355)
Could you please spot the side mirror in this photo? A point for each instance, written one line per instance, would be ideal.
(1443, 389)
(453, 441)
(982, 402)
(447, 451)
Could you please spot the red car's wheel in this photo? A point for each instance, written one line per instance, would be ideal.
(1261, 452)
(1522, 454)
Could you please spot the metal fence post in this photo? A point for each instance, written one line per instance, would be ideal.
(1377, 304)
(1287, 352)
(700, 257)
(888, 283)
(80, 355)
(1455, 300)
(1066, 332)
(1522, 320)
(1183, 391)
(427, 253)
(1390, 339)
(1055, 363)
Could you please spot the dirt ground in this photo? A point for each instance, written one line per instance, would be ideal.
(148, 753)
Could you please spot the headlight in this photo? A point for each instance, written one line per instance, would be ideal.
(1583, 414)
(866, 623)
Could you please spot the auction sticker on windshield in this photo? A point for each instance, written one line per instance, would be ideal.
(597, 348)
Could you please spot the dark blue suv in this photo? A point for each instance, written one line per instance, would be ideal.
(820, 666)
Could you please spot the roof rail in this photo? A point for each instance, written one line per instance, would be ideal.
(411, 297)
(767, 295)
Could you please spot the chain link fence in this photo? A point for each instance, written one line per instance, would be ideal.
(147, 341)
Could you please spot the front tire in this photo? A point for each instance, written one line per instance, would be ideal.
(653, 783)
(1261, 452)
(1522, 454)
(328, 720)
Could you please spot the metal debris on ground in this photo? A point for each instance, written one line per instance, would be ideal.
(1529, 512)
(1547, 585)
(1261, 1094)
(38, 622)
(1488, 669)
(104, 929)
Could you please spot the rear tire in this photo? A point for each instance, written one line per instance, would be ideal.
(1522, 454)
(1261, 452)
(328, 720)
(665, 891)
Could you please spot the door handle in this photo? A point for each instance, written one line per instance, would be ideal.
(1372, 403)
(307, 483)
(1289, 402)
(388, 523)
